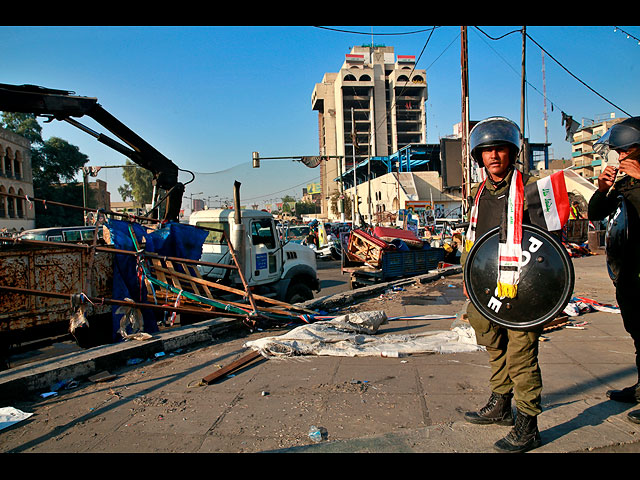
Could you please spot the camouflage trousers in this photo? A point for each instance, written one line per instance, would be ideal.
(513, 357)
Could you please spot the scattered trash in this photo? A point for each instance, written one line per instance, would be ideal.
(395, 354)
(580, 305)
(317, 434)
(64, 384)
(134, 361)
(159, 354)
(48, 394)
(264, 394)
(11, 415)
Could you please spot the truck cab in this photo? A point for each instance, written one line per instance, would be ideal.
(271, 267)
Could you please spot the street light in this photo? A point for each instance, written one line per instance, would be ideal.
(309, 161)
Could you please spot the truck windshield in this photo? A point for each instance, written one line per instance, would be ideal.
(262, 233)
(215, 238)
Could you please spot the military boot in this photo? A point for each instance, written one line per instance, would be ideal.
(634, 416)
(627, 395)
(524, 435)
(496, 411)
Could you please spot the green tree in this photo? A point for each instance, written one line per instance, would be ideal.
(334, 201)
(306, 207)
(139, 186)
(25, 125)
(287, 202)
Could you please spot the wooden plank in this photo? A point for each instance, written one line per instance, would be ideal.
(241, 362)
(241, 293)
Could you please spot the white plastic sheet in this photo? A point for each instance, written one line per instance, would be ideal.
(11, 415)
(355, 335)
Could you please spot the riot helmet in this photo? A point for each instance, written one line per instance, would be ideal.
(619, 137)
(493, 132)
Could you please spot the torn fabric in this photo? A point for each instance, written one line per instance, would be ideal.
(354, 336)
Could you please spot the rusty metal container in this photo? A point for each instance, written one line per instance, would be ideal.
(27, 317)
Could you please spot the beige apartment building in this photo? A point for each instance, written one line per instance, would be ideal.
(586, 162)
(373, 106)
(15, 179)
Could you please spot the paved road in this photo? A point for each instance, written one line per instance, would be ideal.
(332, 281)
(366, 404)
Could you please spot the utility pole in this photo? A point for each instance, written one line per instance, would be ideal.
(466, 170)
(544, 97)
(341, 199)
(523, 157)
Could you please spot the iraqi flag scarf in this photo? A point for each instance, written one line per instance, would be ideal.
(510, 238)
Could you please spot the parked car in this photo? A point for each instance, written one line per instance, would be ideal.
(62, 234)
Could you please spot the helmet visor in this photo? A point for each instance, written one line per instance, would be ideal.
(619, 137)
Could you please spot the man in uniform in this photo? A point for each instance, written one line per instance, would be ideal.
(513, 354)
(623, 138)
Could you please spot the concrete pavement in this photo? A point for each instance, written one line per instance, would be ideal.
(364, 404)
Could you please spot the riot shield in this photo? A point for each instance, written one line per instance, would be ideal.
(544, 289)
(616, 239)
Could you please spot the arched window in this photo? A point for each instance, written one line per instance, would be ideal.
(3, 203)
(11, 204)
(349, 78)
(8, 164)
(17, 166)
(20, 205)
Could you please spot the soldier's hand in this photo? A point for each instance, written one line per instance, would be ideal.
(630, 167)
(606, 178)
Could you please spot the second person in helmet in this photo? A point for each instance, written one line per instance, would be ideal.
(513, 354)
(614, 184)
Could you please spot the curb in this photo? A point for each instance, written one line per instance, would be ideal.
(39, 376)
(45, 374)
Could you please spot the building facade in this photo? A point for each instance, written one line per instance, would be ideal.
(373, 106)
(586, 162)
(16, 180)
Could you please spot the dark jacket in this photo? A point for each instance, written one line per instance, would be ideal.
(603, 204)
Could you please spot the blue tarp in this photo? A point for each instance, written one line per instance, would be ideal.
(173, 240)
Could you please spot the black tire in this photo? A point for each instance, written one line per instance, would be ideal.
(298, 292)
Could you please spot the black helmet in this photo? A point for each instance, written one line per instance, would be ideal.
(621, 136)
(492, 132)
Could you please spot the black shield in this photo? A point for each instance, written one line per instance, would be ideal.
(544, 289)
(617, 239)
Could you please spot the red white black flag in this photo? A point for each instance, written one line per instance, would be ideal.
(548, 202)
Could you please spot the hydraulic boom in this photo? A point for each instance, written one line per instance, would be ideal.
(63, 105)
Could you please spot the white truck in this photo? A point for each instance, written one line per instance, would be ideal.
(284, 271)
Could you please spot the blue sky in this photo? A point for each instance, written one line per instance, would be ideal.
(206, 97)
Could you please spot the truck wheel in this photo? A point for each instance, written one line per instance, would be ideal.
(297, 293)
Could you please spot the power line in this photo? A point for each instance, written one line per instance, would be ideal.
(615, 29)
(374, 34)
(280, 191)
(570, 73)
(558, 62)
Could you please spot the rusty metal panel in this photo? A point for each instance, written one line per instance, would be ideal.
(52, 269)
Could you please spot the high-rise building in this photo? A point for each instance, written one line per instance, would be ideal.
(373, 106)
